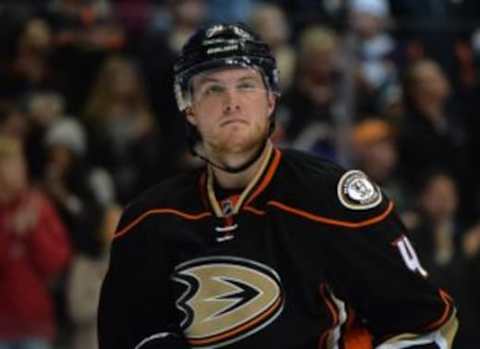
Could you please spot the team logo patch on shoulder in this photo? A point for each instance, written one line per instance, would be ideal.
(357, 192)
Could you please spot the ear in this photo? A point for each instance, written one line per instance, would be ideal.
(190, 115)
(272, 101)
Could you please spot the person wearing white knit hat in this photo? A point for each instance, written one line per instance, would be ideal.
(67, 132)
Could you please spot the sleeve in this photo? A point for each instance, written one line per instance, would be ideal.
(48, 242)
(378, 273)
(136, 309)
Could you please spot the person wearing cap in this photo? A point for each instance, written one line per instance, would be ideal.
(263, 247)
(375, 152)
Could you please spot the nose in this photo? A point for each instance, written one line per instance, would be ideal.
(231, 101)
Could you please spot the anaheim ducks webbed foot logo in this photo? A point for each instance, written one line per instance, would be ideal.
(226, 299)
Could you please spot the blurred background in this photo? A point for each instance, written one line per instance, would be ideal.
(88, 120)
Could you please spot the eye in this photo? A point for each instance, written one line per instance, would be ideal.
(213, 90)
(247, 86)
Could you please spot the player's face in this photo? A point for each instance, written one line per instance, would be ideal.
(231, 109)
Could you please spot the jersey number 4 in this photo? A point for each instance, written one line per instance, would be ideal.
(409, 255)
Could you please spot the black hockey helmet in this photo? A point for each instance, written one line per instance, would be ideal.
(222, 45)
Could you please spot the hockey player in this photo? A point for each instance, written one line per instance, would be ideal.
(264, 248)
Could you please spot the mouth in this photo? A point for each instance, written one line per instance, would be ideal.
(233, 122)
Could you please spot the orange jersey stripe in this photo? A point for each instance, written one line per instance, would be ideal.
(254, 210)
(268, 176)
(358, 338)
(188, 216)
(330, 221)
(448, 307)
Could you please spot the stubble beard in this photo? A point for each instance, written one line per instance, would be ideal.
(238, 142)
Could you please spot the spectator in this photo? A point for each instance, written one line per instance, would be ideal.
(135, 16)
(309, 105)
(83, 285)
(13, 121)
(270, 22)
(33, 249)
(88, 24)
(438, 234)
(167, 35)
(125, 137)
(29, 68)
(431, 135)
(432, 29)
(375, 49)
(42, 109)
(186, 17)
(375, 151)
(84, 34)
(305, 13)
(230, 11)
(437, 228)
(80, 191)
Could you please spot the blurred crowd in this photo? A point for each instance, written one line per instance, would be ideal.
(88, 120)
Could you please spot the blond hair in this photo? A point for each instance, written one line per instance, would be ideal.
(317, 38)
(101, 96)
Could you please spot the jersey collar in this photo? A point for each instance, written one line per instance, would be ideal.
(269, 163)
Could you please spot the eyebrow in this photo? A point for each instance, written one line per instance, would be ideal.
(208, 79)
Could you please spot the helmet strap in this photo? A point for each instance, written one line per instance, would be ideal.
(193, 136)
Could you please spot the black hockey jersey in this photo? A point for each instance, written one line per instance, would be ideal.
(305, 256)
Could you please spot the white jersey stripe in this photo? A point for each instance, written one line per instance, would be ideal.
(430, 338)
(333, 341)
(153, 337)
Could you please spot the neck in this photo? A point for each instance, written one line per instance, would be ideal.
(241, 179)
